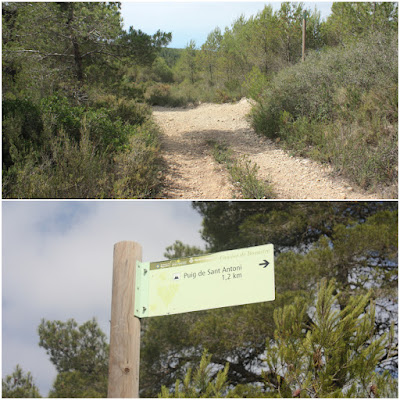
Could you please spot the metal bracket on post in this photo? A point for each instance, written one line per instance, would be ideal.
(142, 289)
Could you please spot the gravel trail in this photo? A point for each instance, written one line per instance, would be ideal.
(192, 172)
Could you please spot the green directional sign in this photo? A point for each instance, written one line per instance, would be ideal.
(228, 278)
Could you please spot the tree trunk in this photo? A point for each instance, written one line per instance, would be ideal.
(75, 44)
(78, 60)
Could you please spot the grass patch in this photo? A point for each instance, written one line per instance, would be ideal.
(243, 172)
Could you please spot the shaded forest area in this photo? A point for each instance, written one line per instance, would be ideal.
(73, 124)
(332, 330)
(77, 90)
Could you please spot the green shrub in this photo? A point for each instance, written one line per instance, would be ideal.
(368, 159)
(81, 170)
(161, 71)
(72, 170)
(339, 106)
(22, 129)
(58, 113)
(227, 92)
(309, 88)
(160, 94)
(128, 110)
(110, 120)
(189, 93)
(254, 83)
(200, 383)
(110, 158)
(138, 168)
(244, 174)
(185, 93)
(234, 89)
(222, 96)
(105, 133)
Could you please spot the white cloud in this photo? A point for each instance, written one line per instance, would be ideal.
(57, 263)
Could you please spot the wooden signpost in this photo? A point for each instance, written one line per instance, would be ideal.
(140, 290)
(123, 372)
(303, 47)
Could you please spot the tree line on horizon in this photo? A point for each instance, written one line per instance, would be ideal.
(268, 42)
(332, 330)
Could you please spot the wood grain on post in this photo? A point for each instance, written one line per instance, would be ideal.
(123, 376)
(303, 47)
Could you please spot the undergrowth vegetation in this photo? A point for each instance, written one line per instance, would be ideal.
(88, 151)
(339, 106)
(243, 172)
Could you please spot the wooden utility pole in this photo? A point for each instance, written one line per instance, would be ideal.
(303, 49)
(123, 375)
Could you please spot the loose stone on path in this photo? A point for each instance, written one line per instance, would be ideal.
(192, 173)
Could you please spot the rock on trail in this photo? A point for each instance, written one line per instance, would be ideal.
(192, 173)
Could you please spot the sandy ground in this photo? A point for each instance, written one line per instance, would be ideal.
(192, 172)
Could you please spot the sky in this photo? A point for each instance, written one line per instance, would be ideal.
(195, 20)
(57, 264)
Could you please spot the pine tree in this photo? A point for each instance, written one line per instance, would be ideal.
(63, 37)
(351, 20)
(203, 382)
(178, 250)
(336, 355)
(187, 66)
(66, 43)
(209, 55)
(80, 355)
(19, 385)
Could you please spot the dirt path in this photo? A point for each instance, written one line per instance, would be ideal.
(192, 173)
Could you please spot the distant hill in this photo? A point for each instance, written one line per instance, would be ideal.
(170, 55)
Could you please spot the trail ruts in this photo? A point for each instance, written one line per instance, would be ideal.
(192, 173)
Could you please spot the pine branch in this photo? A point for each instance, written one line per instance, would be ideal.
(238, 372)
(43, 54)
